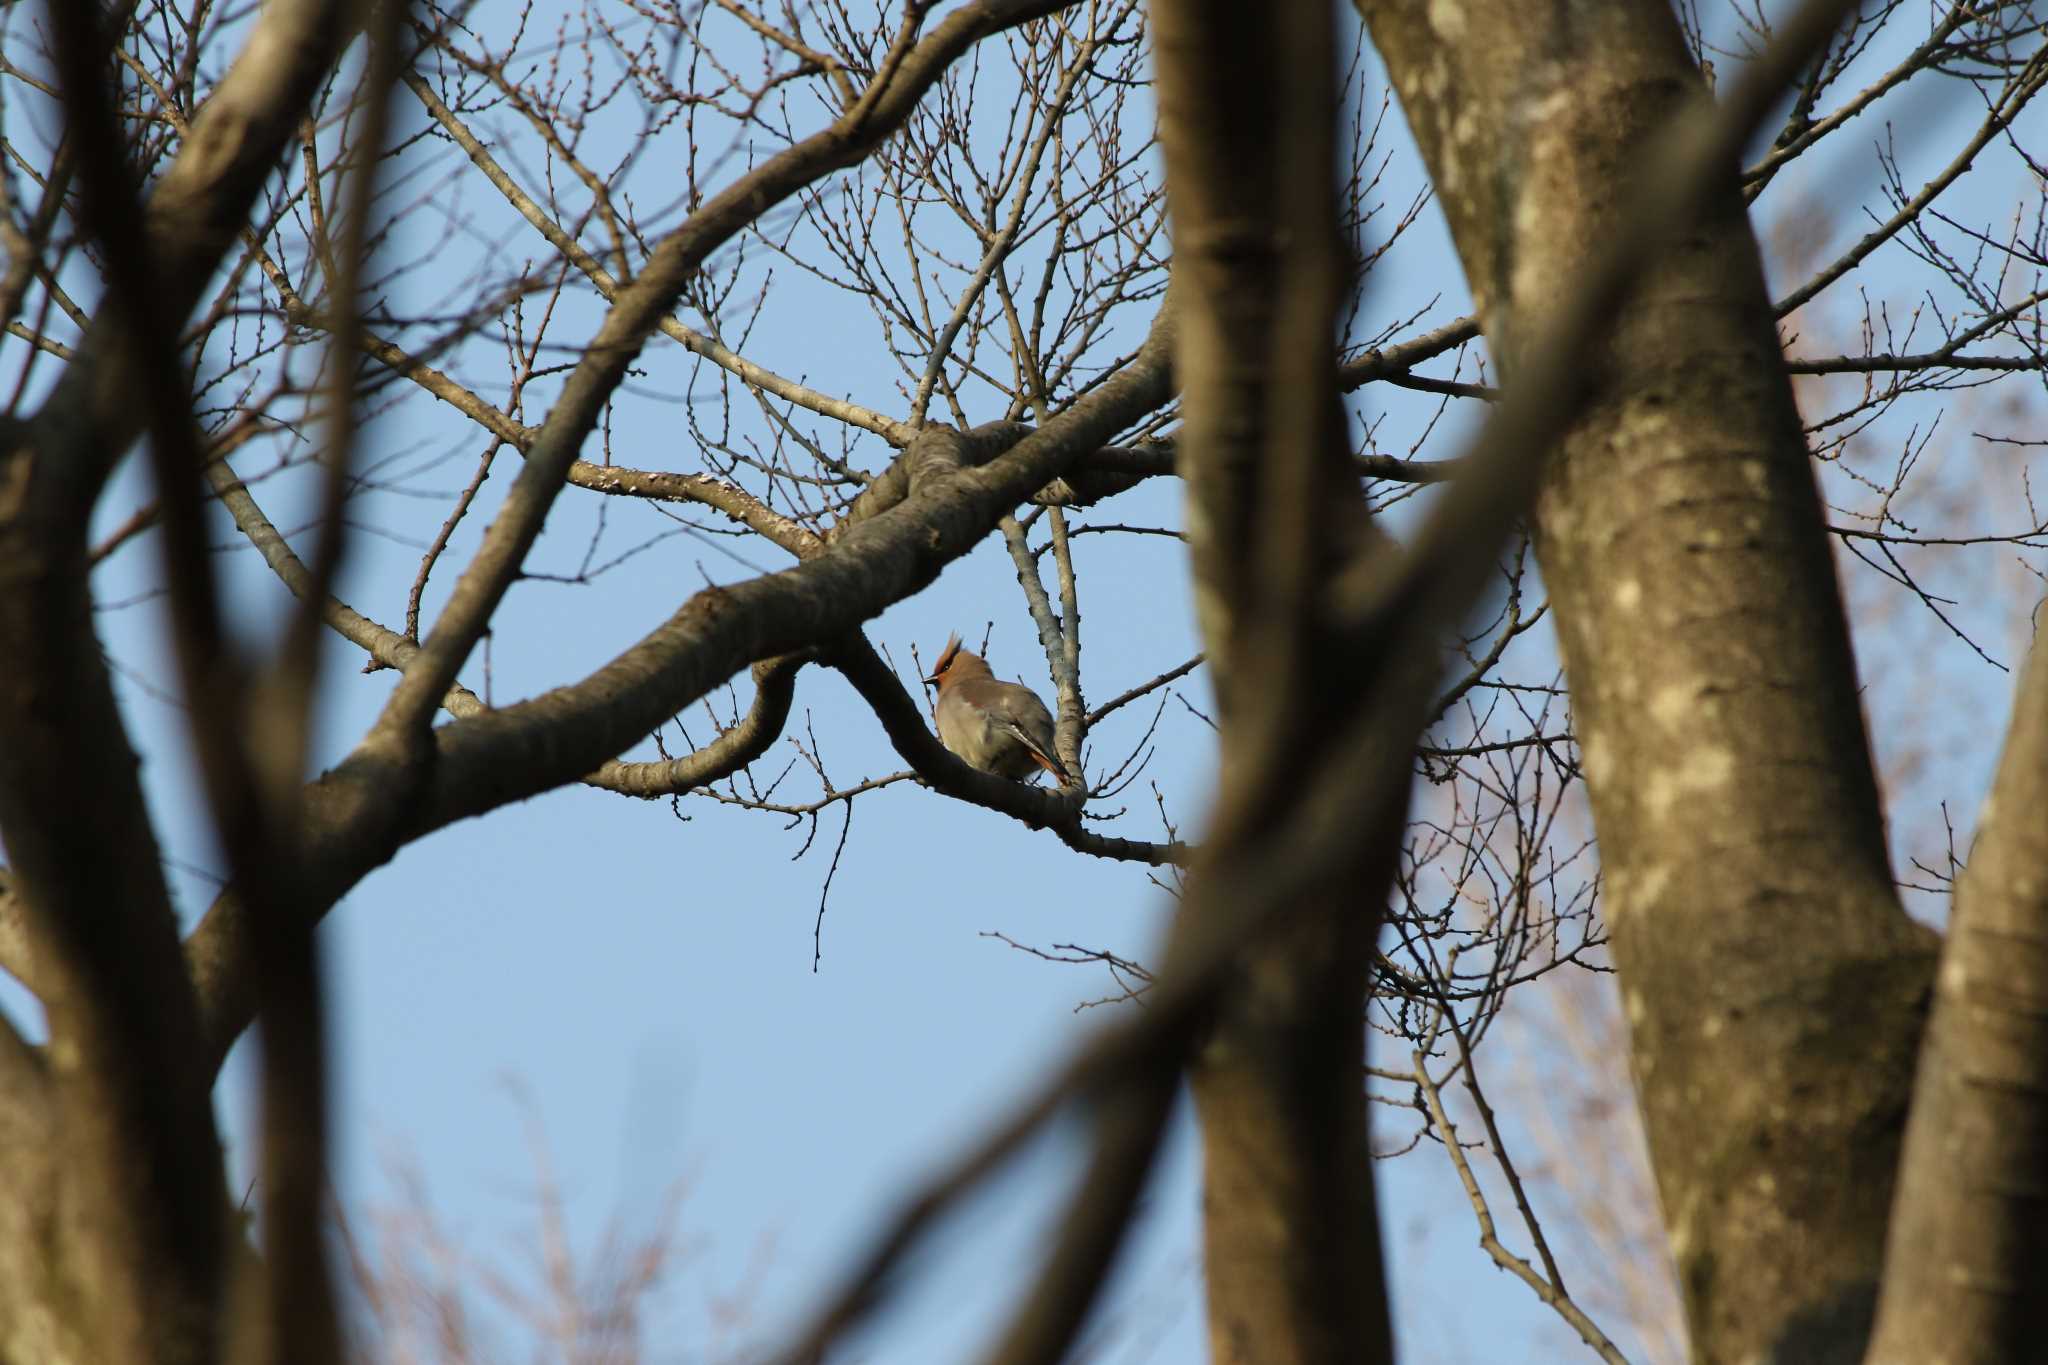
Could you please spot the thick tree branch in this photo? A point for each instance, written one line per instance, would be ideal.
(1969, 1226)
(17, 955)
(401, 729)
(1129, 1120)
(249, 732)
(1247, 113)
(137, 1174)
(734, 749)
(485, 761)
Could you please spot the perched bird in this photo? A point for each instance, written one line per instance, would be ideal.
(998, 727)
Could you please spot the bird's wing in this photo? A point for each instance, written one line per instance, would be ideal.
(1023, 715)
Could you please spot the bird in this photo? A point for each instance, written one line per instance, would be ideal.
(998, 727)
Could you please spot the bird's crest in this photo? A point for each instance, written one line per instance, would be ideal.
(945, 660)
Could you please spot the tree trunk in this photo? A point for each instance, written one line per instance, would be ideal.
(1966, 1276)
(110, 1234)
(1247, 101)
(1773, 985)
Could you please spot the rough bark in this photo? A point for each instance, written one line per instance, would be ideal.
(115, 1252)
(1966, 1273)
(1773, 985)
(114, 1229)
(1247, 104)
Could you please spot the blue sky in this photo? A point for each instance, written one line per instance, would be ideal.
(638, 988)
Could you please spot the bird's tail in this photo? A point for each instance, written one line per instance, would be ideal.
(1042, 756)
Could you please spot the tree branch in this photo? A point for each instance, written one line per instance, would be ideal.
(484, 761)
(1969, 1226)
(401, 730)
(195, 213)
